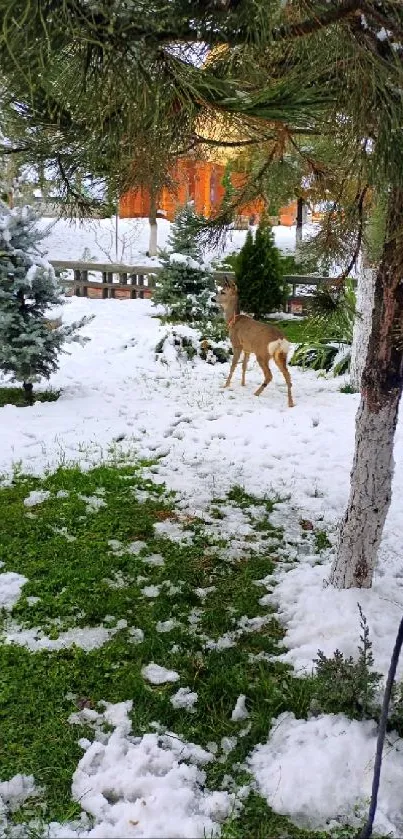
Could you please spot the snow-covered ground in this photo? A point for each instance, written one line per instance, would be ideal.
(117, 393)
(100, 240)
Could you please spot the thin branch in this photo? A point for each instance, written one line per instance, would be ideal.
(221, 220)
(14, 150)
(360, 233)
(384, 20)
(315, 168)
(253, 141)
(314, 24)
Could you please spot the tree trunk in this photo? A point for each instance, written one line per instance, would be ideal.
(362, 324)
(152, 247)
(381, 388)
(29, 392)
(298, 231)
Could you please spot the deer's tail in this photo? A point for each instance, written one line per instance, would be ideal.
(280, 345)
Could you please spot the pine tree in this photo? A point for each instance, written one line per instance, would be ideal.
(259, 273)
(29, 342)
(185, 286)
(244, 260)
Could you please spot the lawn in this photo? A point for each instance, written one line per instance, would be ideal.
(108, 550)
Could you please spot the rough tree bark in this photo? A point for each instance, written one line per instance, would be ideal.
(381, 389)
(362, 324)
(152, 247)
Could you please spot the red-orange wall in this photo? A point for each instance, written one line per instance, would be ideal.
(196, 181)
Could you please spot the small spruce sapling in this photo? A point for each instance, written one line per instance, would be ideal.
(30, 343)
(185, 287)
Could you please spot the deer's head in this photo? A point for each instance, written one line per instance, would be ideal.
(227, 296)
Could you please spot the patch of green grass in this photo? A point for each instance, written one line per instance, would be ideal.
(260, 822)
(82, 580)
(321, 541)
(347, 389)
(243, 498)
(16, 396)
(294, 330)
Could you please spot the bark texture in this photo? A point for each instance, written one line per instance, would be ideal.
(362, 325)
(381, 388)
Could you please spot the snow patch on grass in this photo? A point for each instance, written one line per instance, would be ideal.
(334, 756)
(184, 698)
(240, 711)
(10, 589)
(93, 503)
(149, 786)
(167, 626)
(86, 637)
(36, 496)
(157, 675)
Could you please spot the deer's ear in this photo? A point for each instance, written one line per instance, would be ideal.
(233, 285)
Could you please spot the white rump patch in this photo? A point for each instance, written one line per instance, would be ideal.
(280, 345)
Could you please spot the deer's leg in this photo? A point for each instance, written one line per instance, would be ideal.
(244, 366)
(281, 360)
(263, 363)
(235, 358)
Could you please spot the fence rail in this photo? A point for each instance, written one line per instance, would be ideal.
(138, 281)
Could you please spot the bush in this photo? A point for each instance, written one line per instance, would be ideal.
(185, 286)
(187, 347)
(259, 273)
(347, 686)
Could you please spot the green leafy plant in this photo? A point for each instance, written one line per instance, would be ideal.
(347, 686)
(329, 330)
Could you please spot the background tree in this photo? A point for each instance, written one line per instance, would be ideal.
(259, 274)
(29, 343)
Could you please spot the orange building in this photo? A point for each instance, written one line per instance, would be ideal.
(199, 181)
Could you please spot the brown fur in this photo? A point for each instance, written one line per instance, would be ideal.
(250, 336)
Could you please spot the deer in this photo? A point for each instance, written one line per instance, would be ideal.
(251, 336)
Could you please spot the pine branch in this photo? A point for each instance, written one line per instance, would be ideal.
(390, 24)
(313, 24)
(13, 149)
(252, 141)
(360, 233)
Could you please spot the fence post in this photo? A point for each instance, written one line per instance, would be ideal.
(107, 277)
(76, 286)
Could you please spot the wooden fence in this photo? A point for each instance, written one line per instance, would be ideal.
(138, 281)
